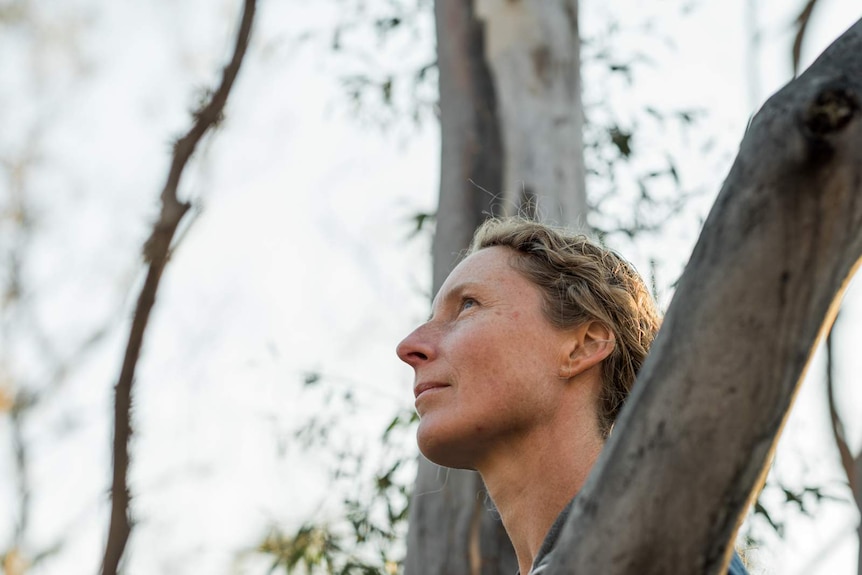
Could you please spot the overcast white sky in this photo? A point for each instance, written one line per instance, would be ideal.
(298, 261)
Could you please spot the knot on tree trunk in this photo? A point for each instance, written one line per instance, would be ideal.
(831, 111)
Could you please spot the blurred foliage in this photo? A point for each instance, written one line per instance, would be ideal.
(384, 60)
(422, 222)
(7, 400)
(804, 499)
(394, 87)
(37, 35)
(309, 548)
(13, 13)
(13, 562)
(367, 533)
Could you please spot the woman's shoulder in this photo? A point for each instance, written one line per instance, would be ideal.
(737, 567)
(544, 557)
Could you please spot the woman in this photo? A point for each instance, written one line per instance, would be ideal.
(532, 347)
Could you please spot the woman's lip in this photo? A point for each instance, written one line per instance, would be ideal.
(421, 388)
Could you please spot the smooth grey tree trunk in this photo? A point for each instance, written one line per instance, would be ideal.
(761, 288)
(471, 148)
(451, 531)
(511, 135)
(533, 48)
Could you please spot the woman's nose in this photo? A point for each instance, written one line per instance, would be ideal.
(415, 349)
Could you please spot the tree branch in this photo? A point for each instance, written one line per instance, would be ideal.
(156, 253)
(761, 289)
(852, 465)
(838, 432)
(22, 468)
(801, 28)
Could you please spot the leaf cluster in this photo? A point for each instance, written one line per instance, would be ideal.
(366, 535)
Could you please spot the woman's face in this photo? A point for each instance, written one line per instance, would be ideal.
(487, 364)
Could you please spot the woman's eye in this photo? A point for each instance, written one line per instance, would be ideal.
(467, 303)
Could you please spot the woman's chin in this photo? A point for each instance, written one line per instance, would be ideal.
(442, 448)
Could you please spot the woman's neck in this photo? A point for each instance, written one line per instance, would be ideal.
(532, 482)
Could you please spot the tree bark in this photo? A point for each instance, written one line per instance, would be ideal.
(471, 155)
(761, 288)
(533, 49)
(451, 531)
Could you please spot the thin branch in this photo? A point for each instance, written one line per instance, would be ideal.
(837, 425)
(156, 252)
(11, 294)
(21, 471)
(753, 56)
(801, 28)
(852, 465)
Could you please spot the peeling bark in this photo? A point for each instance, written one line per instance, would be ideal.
(761, 288)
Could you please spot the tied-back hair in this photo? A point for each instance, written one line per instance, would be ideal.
(582, 281)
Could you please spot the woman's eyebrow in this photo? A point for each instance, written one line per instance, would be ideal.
(456, 292)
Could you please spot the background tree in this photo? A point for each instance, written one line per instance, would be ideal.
(511, 138)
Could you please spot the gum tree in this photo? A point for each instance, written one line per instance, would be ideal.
(511, 140)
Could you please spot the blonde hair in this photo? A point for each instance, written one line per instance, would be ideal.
(582, 281)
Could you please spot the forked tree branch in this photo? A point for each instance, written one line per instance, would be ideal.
(156, 253)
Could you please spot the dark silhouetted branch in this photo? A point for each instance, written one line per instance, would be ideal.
(156, 253)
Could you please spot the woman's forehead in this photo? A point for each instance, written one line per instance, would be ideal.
(488, 268)
(485, 263)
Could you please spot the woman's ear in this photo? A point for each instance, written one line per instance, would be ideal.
(590, 343)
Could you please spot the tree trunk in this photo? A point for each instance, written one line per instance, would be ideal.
(534, 52)
(471, 157)
(451, 531)
(524, 55)
(760, 290)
